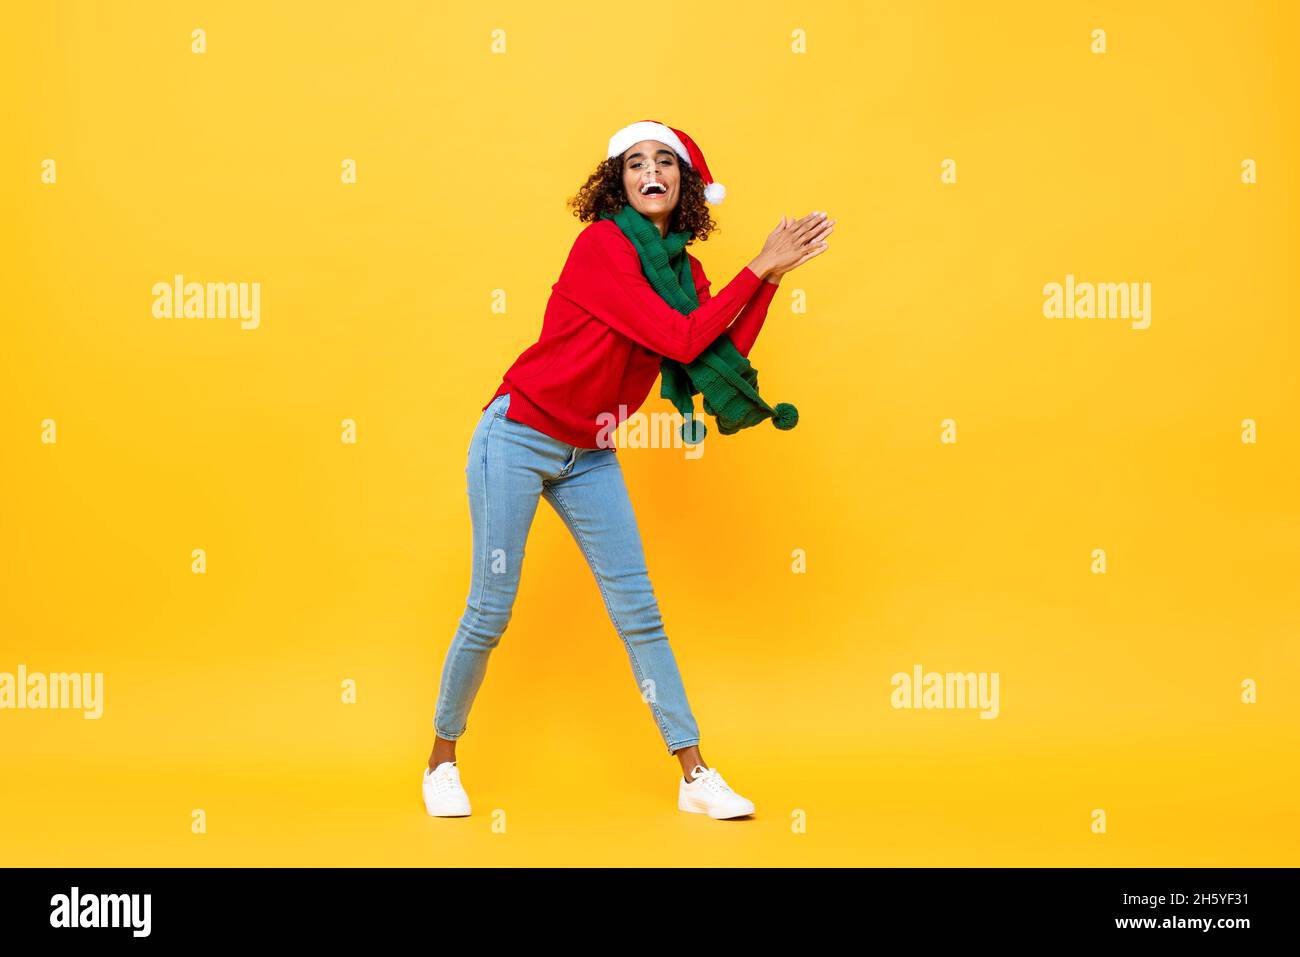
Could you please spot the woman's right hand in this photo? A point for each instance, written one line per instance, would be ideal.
(793, 243)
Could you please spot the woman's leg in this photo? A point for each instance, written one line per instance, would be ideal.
(507, 463)
(592, 500)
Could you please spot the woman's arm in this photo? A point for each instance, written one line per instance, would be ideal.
(603, 275)
(744, 331)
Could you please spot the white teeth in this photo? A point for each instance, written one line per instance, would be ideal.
(647, 187)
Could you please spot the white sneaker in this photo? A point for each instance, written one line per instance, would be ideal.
(443, 794)
(708, 794)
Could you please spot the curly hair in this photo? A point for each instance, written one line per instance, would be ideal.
(604, 191)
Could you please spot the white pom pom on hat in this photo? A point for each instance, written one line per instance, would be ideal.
(682, 145)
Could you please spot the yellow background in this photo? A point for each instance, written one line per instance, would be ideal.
(328, 561)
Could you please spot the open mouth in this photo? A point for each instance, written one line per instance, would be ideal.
(654, 189)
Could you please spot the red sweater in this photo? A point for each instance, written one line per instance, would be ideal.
(606, 330)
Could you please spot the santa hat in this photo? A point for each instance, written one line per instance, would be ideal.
(682, 144)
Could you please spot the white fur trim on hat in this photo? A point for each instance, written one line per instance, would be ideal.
(634, 133)
(715, 193)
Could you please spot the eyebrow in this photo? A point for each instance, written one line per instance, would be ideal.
(657, 152)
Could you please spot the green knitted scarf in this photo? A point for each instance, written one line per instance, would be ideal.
(726, 379)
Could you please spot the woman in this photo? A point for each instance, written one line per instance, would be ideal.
(543, 433)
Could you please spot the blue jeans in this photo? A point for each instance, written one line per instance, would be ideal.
(510, 465)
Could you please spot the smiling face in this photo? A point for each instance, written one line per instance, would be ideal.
(652, 178)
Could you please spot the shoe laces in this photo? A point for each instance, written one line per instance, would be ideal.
(710, 779)
(445, 777)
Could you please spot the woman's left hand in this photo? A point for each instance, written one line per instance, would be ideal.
(786, 223)
(775, 276)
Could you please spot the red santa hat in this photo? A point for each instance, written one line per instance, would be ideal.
(682, 144)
